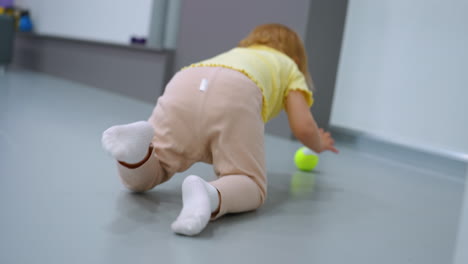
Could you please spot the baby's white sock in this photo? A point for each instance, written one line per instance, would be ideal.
(128, 143)
(200, 199)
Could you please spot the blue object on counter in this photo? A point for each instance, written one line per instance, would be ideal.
(25, 23)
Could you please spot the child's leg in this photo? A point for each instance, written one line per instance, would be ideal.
(143, 176)
(130, 145)
(200, 199)
(240, 164)
(239, 193)
(167, 130)
(238, 150)
(233, 128)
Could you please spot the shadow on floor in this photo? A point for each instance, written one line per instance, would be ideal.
(135, 210)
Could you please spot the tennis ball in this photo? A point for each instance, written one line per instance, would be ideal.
(305, 159)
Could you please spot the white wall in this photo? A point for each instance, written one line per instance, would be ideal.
(110, 21)
(403, 72)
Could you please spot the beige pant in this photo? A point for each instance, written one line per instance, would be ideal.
(219, 125)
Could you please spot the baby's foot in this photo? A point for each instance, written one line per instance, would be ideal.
(128, 143)
(200, 200)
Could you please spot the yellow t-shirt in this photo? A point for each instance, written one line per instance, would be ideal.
(274, 73)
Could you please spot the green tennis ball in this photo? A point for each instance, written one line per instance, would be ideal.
(305, 159)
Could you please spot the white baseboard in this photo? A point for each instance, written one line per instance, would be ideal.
(437, 161)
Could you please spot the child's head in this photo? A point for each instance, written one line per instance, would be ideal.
(281, 38)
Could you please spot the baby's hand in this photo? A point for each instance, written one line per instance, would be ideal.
(327, 141)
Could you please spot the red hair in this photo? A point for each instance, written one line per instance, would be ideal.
(283, 39)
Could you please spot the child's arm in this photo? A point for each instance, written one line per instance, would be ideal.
(303, 124)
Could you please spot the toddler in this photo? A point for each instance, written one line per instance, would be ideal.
(214, 111)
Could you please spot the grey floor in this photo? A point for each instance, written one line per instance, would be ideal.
(61, 200)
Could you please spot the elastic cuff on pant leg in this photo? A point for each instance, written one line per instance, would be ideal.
(131, 178)
(136, 165)
(229, 201)
(222, 206)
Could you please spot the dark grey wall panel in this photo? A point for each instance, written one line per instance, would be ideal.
(323, 43)
(135, 72)
(208, 27)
